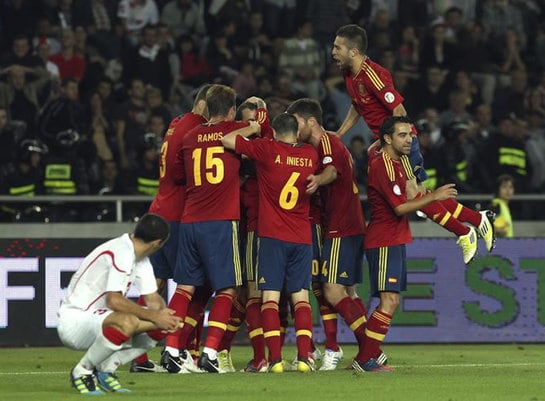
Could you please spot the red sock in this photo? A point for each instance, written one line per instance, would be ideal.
(254, 328)
(361, 305)
(271, 329)
(218, 318)
(114, 336)
(329, 320)
(238, 312)
(179, 303)
(440, 215)
(354, 318)
(462, 213)
(377, 328)
(303, 328)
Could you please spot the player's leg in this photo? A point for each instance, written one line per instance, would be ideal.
(224, 272)
(298, 278)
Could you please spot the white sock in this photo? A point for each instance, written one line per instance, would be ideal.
(98, 352)
(211, 352)
(175, 352)
(141, 343)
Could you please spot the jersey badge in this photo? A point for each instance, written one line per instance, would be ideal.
(389, 97)
(327, 160)
(397, 190)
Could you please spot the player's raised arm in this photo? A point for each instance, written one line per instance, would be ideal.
(229, 140)
(349, 121)
(445, 192)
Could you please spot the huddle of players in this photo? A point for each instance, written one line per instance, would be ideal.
(292, 161)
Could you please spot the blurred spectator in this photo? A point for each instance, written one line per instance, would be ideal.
(280, 17)
(454, 26)
(157, 126)
(43, 52)
(535, 148)
(135, 15)
(157, 106)
(245, 83)
(98, 17)
(194, 69)
(22, 96)
(184, 17)
(102, 130)
(382, 32)
(428, 91)
(467, 8)
(505, 189)
(326, 16)
(150, 63)
(534, 101)
(221, 58)
(457, 109)
(11, 134)
(508, 54)
(22, 176)
(478, 60)
(498, 17)
(510, 98)
(17, 17)
(130, 123)
(505, 153)
(301, 60)
(276, 106)
(436, 51)
(483, 123)
(63, 113)
(430, 153)
(61, 16)
(44, 31)
(71, 64)
(255, 39)
(20, 54)
(456, 160)
(464, 83)
(408, 50)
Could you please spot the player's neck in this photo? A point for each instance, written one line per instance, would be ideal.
(356, 64)
(316, 136)
(392, 154)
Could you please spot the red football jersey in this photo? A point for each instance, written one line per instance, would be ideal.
(211, 174)
(282, 171)
(386, 191)
(342, 215)
(170, 198)
(373, 93)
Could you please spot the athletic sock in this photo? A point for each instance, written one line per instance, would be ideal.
(271, 329)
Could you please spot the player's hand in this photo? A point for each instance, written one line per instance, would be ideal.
(445, 192)
(167, 320)
(313, 184)
(256, 126)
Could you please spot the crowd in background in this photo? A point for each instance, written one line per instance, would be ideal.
(92, 85)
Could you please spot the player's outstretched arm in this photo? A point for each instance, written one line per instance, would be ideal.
(349, 121)
(230, 139)
(314, 181)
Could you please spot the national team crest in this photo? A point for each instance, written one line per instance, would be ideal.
(361, 89)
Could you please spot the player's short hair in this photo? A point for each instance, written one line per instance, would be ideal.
(355, 35)
(220, 99)
(244, 106)
(306, 108)
(201, 94)
(388, 126)
(151, 227)
(285, 124)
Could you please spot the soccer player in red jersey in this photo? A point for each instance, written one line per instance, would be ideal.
(374, 98)
(209, 224)
(343, 222)
(168, 203)
(388, 232)
(283, 167)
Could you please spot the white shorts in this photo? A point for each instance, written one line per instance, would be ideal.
(78, 329)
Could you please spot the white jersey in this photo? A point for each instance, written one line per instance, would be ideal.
(110, 267)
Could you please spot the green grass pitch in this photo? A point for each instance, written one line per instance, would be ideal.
(422, 372)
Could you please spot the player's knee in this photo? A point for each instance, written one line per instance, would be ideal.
(334, 293)
(126, 323)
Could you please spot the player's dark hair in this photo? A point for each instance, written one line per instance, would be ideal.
(285, 124)
(220, 99)
(388, 126)
(306, 108)
(244, 106)
(151, 227)
(355, 35)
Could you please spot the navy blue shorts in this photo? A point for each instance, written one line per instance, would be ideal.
(164, 260)
(342, 260)
(210, 251)
(283, 265)
(387, 269)
(415, 166)
(316, 252)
